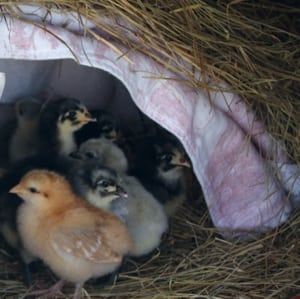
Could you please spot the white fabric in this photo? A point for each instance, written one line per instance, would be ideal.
(241, 192)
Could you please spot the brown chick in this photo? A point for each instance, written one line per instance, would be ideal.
(76, 240)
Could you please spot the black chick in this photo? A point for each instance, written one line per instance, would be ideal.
(105, 126)
(59, 120)
(160, 168)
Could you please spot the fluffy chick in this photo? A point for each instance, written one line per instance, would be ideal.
(146, 219)
(100, 186)
(105, 151)
(171, 160)
(7, 129)
(59, 120)
(105, 126)
(9, 204)
(162, 172)
(24, 140)
(143, 214)
(8, 230)
(76, 240)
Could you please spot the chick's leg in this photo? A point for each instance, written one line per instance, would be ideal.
(77, 293)
(26, 273)
(48, 293)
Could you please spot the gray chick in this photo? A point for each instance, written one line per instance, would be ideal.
(105, 151)
(142, 213)
(146, 219)
(100, 186)
(24, 140)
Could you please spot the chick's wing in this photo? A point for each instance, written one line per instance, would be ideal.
(89, 244)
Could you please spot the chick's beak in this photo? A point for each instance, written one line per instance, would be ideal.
(121, 192)
(86, 118)
(184, 162)
(16, 189)
(181, 160)
(76, 155)
(114, 135)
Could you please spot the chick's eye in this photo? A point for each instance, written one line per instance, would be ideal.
(33, 190)
(104, 183)
(166, 157)
(90, 155)
(70, 114)
(107, 128)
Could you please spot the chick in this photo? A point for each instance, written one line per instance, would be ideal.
(59, 120)
(105, 126)
(9, 204)
(7, 129)
(105, 151)
(24, 140)
(142, 213)
(76, 240)
(161, 170)
(146, 219)
(100, 186)
(10, 236)
(171, 160)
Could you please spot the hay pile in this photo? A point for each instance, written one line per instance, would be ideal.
(253, 46)
(195, 262)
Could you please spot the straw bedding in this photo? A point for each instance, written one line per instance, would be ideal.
(195, 262)
(253, 46)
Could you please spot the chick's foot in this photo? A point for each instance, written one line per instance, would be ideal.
(48, 293)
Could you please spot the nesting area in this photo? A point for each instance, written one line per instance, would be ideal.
(195, 262)
(254, 47)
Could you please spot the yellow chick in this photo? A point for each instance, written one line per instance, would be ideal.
(77, 241)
